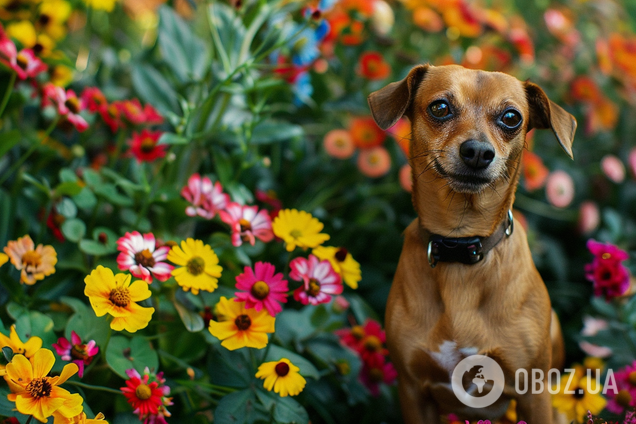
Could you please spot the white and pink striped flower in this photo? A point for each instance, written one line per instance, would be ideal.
(247, 223)
(142, 258)
(66, 103)
(206, 199)
(320, 281)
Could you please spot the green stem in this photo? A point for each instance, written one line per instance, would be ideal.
(29, 152)
(30, 419)
(90, 386)
(540, 208)
(7, 95)
(253, 359)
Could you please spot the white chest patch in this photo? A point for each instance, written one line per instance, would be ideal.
(449, 355)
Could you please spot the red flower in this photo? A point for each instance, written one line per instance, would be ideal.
(111, 116)
(270, 199)
(368, 340)
(148, 395)
(534, 171)
(151, 115)
(376, 370)
(75, 351)
(145, 148)
(365, 133)
(93, 99)
(132, 111)
(609, 275)
(54, 221)
(67, 103)
(372, 66)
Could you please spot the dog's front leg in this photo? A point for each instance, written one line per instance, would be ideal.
(535, 408)
(417, 406)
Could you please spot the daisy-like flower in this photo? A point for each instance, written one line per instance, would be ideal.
(206, 199)
(93, 99)
(338, 143)
(376, 370)
(247, 223)
(239, 327)
(34, 263)
(373, 66)
(342, 262)
(199, 266)
(67, 104)
(281, 376)
(626, 385)
(298, 228)
(25, 64)
(559, 189)
(575, 406)
(27, 348)
(365, 133)
(34, 393)
(115, 295)
(144, 146)
(262, 288)
(148, 395)
(75, 351)
(3, 259)
(319, 279)
(132, 111)
(374, 162)
(82, 419)
(107, 5)
(368, 340)
(609, 275)
(142, 258)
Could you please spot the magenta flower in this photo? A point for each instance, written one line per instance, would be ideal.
(609, 275)
(247, 223)
(626, 395)
(76, 352)
(25, 64)
(148, 395)
(377, 370)
(206, 199)
(67, 104)
(142, 258)
(262, 288)
(319, 279)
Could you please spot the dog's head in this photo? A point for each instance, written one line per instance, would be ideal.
(469, 126)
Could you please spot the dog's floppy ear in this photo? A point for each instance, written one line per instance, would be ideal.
(544, 113)
(390, 103)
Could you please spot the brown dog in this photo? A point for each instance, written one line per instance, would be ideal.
(468, 133)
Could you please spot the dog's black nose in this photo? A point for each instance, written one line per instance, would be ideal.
(476, 154)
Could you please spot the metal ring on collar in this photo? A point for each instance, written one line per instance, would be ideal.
(429, 254)
(511, 224)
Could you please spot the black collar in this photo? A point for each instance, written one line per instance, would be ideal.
(467, 250)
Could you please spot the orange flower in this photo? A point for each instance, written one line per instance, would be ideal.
(372, 66)
(338, 143)
(534, 171)
(406, 178)
(603, 56)
(349, 31)
(374, 162)
(584, 89)
(602, 116)
(401, 132)
(623, 54)
(462, 17)
(33, 263)
(427, 19)
(520, 38)
(363, 7)
(365, 133)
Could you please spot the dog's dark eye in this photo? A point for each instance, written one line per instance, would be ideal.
(511, 119)
(440, 109)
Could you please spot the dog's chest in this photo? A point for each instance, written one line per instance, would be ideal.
(449, 354)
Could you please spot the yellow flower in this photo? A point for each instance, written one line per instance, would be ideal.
(107, 5)
(61, 75)
(27, 348)
(239, 327)
(282, 376)
(23, 31)
(298, 228)
(114, 295)
(81, 419)
(52, 16)
(3, 259)
(199, 270)
(342, 262)
(36, 394)
(34, 263)
(576, 405)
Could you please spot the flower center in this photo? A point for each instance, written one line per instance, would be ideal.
(373, 159)
(632, 378)
(79, 352)
(606, 275)
(22, 61)
(245, 225)
(357, 332)
(260, 290)
(282, 369)
(39, 387)
(295, 233)
(144, 258)
(341, 254)
(196, 265)
(243, 322)
(623, 398)
(372, 343)
(73, 104)
(376, 375)
(606, 255)
(314, 287)
(120, 296)
(147, 145)
(579, 394)
(143, 392)
(32, 258)
(44, 19)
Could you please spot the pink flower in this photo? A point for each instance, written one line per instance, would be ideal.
(591, 327)
(140, 256)
(589, 217)
(626, 385)
(25, 64)
(75, 351)
(377, 370)
(319, 279)
(262, 288)
(340, 304)
(609, 276)
(67, 104)
(406, 178)
(247, 223)
(560, 189)
(374, 162)
(613, 168)
(206, 199)
(338, 143)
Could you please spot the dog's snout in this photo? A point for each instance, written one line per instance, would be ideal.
(477, 154)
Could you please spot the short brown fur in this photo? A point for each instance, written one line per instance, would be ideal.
(500, 305)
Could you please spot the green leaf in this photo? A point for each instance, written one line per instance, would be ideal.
(272, 131)
(92, 178)
(193, 322)
(123, 354)
(67, 175)
(153, 88)
(9, 139)
(95, 248)
(85, 323)
(66, 208)
(37, 324)
(230, 29)
(85, 199)
(74, 229)
(230, 368)
(222, 164)
(307, 369)
(6, 212)
(68, 188)
(7, 408)
(240, 407)
(15, 311)
(171, 138)
(287, 410)
(109, 191)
